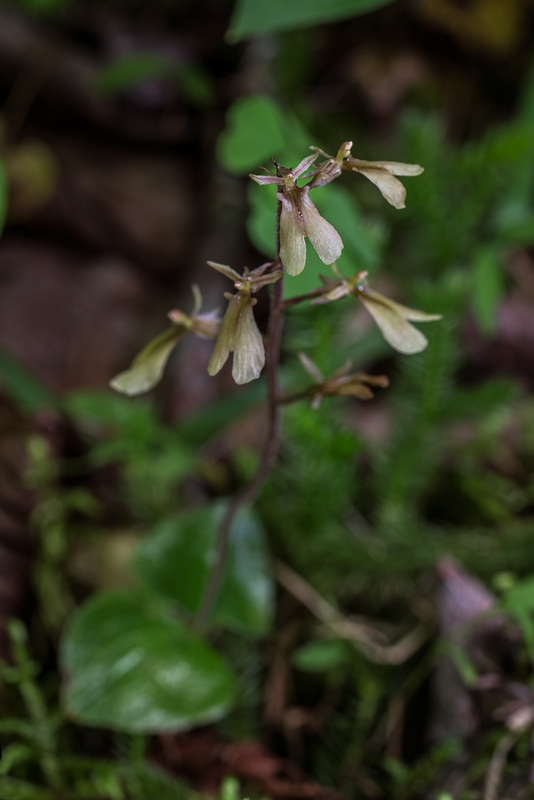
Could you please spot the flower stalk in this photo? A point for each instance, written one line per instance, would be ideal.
(237, 334)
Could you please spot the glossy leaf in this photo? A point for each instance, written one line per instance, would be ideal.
(176, 560)
(129, 666)
(264, 16)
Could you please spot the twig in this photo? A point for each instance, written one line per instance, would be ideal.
(517, 722)
(363, 635)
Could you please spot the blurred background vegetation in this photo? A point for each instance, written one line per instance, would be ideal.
(375, 638)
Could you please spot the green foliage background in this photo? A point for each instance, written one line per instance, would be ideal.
(362, 520)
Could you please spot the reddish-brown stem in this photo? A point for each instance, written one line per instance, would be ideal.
(270, 452)
(301, 298)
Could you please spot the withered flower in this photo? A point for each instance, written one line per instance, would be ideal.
(147, 367)
(381, 173)
(342, 383)
(239, 332)
(299, 219)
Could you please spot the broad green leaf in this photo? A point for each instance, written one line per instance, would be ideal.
(3, 195)
(147, 368)
(129, 666)
(258, 129)
(264, 16)
(488, 289)
(254, 132)
(176, 560)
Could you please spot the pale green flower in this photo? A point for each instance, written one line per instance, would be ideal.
(392, 318)
(381, 173)
(147, 367)
(299, 219)
(239, 332)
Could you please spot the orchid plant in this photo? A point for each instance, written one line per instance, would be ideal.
(237, 331)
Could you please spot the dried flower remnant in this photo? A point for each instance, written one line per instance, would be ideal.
(147, 367)
(341, 383)
(381, 173)
(299, 219)
(239, 332)
(392, 318)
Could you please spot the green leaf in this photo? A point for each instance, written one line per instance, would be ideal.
(258, 128)
(15, 754)
(132, 70)
(14, 789)
(264, 16)
(147, 367)
(322, 656)
(22, 386)
(363, 239)
(254, 132)
(3, 195)
(176, 560)
(488, 289)
(519, 602)
(146, 782)
(131, 667)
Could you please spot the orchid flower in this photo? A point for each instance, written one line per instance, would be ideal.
(299, 219)
(239, 332)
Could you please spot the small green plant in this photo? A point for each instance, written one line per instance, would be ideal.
(37, 763)
(139, 660)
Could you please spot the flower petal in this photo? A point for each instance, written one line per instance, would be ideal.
(249, 353)
(292, 243)
(396, 330)
(147, 367)
(323, 236)
(390, 187)
(404, 311)
(226, 339)
(394, 167)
